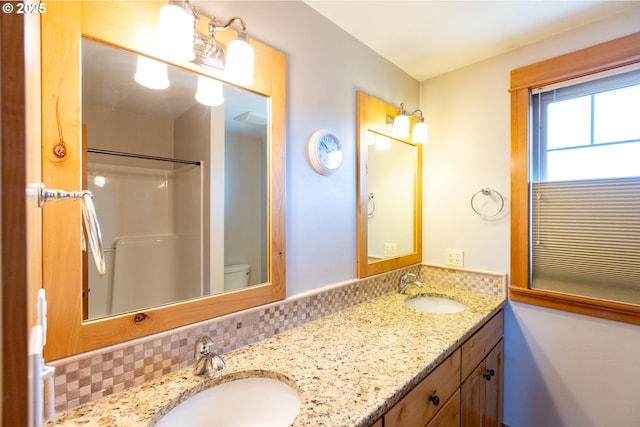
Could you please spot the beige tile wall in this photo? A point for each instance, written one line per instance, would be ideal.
(89, 376)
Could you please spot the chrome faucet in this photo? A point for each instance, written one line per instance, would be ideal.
(407, 280)
(205, 357)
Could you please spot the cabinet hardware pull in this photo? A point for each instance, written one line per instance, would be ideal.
(434, 399)
(489, 374)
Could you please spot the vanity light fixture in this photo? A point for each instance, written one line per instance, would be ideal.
(400, 126)
(420, 134)
(175, 31)
(151, 74)
(382, 143)
(179, 40)
(209, 92)
(237, 60)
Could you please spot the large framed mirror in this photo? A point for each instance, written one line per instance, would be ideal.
(389, 191)
(190, 197)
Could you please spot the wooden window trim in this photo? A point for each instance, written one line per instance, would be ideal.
(602, 57)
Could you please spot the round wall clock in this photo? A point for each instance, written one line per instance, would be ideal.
(324, 152)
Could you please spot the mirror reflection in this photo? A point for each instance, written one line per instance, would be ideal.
(179, 186)
(389, 191)
(391, 202)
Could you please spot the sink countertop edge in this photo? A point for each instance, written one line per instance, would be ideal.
(349, 368)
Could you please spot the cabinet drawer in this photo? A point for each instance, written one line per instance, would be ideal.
(416, 408)
(449, 415)
(480, 343)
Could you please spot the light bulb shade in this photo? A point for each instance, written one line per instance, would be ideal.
(151, 74)
(175, 33)
(209, 92)
(401, 126)
(382, 143)
(420, 133)
(240, 61)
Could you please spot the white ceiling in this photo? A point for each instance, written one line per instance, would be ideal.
(428, 38)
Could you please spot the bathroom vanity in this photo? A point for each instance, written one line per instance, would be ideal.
(379, 360)
(464, 390)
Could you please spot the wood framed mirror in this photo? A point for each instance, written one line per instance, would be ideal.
(131, 28)
(389, 191)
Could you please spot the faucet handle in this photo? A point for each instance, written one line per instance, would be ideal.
(405, 278)
(204, 346)
(205, 356)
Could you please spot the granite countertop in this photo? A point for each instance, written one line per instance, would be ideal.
(349, 368)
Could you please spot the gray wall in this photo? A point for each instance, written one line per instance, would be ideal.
(325, 67)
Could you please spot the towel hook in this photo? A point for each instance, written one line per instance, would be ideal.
(487, 192)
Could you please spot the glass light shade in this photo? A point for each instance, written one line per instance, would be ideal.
(151, 74)
(382, 143)
(209, 92)
(175, 33)
(420, 133)
(401, 126)
(371, 138)
(240, 61)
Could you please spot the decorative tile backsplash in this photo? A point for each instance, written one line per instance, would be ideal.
(469, 280)
(89, 376)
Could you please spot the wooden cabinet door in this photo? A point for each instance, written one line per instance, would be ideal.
(492, 410)
(481, 392)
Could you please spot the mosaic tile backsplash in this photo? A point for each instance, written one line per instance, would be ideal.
(89, 376)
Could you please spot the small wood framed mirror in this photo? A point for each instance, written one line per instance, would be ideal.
(389, 191)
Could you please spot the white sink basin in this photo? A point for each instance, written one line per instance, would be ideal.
(433, 304)
(249, 402)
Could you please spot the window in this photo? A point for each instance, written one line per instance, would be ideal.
(587, 130)
(576, 181)
(585, 188)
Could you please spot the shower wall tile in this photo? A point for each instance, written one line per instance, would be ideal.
(89, 376)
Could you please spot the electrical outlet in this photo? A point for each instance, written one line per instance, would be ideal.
(455, 257)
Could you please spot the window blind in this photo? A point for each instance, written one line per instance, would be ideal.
(586, 231)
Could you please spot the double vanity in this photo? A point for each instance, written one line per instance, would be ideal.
(379, 359)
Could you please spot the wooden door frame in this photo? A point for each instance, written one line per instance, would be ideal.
(15, 386)
(21, 237)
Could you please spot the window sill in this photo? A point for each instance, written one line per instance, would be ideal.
(588, 306)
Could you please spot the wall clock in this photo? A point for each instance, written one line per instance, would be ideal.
(324, 152)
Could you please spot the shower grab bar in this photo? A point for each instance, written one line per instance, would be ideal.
(89, 219)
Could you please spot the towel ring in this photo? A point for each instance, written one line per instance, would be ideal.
(371, 205)
(487, 192)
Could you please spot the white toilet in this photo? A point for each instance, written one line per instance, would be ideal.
(236, 276)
